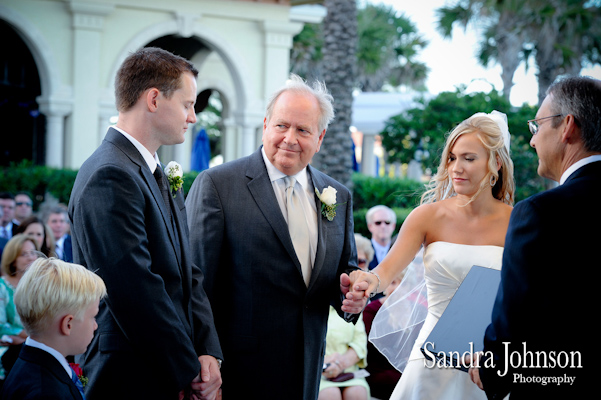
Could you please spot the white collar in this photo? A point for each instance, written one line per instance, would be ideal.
(275, 174)
(378, 246)
(151, 160)
(578, 164)
(61, 359)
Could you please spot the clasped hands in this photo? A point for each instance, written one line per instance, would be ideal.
(207, 385)
(356, 289)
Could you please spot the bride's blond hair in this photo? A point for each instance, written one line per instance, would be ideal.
(491, 137)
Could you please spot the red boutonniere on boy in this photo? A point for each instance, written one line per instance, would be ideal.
(79, 373)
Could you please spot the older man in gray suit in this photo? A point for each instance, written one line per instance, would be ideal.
(273, 252)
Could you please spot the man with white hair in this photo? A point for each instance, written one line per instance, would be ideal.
(381, 222)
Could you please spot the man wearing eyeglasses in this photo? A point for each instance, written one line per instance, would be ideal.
(538, 336)
(381, 222)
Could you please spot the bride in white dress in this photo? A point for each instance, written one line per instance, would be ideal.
(461, 222)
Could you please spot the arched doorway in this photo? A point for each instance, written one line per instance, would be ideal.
(24, 128)
(209, 106)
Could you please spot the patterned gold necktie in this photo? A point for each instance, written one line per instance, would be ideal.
(297, 226)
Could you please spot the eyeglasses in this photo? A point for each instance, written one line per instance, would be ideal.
(380, 222)
(23, 203)
(533, 125)
(31, 253)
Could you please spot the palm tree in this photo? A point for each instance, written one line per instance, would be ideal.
(560, 33)
(339, 69)
(565, 33)
(504, 28)
(388, 44)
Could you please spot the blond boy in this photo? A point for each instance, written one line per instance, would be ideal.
(57, 303)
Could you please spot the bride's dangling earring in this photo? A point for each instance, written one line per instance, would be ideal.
(493, 180)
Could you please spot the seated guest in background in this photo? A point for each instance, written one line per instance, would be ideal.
(18, 254)
(365, 252)
(35, 228)
(58, 222)
(346, 345)
(7, 203)
(60, 319)
(346, 352)
(23, 207)
(381, 222)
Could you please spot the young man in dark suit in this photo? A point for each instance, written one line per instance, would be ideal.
(156, 336)
(537, 345)
(273, 257)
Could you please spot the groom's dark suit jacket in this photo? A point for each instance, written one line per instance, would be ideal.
(271, 326)
(156, 319)
(550, 265)
(38, 375)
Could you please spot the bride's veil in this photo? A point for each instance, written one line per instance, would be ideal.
(398, 322)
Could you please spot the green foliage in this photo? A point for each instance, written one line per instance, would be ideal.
(392, 192)
(41, 181)
(37, 180)
(425, 128)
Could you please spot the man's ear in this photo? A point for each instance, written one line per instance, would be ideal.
(320, 140)
(65, 324)
(151, 97)
(571, 132)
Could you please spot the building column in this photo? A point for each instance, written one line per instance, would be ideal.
(368, 159)
(278, 42)
(55, 111)
(87, 26)
(229, 133)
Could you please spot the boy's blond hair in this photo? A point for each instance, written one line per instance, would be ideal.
(50, 287)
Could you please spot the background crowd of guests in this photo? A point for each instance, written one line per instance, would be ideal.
(25, 235)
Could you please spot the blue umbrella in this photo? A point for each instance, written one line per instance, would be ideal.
(201, 152)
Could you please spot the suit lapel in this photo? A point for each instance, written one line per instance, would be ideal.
(261, 189)
(134, 155)
(322, 229)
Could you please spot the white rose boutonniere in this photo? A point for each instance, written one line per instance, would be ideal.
(328, 202)
(175, 176)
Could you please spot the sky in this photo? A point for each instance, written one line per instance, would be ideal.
(453, 62)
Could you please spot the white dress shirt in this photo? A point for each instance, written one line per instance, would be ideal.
(151, 160)
(380, 250)
(307, 196)
(576, 165)
(59, 247)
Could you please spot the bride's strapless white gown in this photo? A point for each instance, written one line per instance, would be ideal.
(446, 265)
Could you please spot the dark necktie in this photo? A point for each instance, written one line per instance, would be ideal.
(77, 383)
(164, 187)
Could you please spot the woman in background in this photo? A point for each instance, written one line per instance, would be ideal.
(19, 253)
(39, 231)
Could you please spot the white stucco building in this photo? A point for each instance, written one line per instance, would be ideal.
(241, 49)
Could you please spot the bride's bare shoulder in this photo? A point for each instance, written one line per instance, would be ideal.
(430, 211)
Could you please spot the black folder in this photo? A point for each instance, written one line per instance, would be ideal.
(465, 319)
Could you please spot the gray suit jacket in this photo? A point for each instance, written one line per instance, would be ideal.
(156, 319)
(271, 326)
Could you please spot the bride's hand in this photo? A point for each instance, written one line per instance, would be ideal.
(363, 283)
